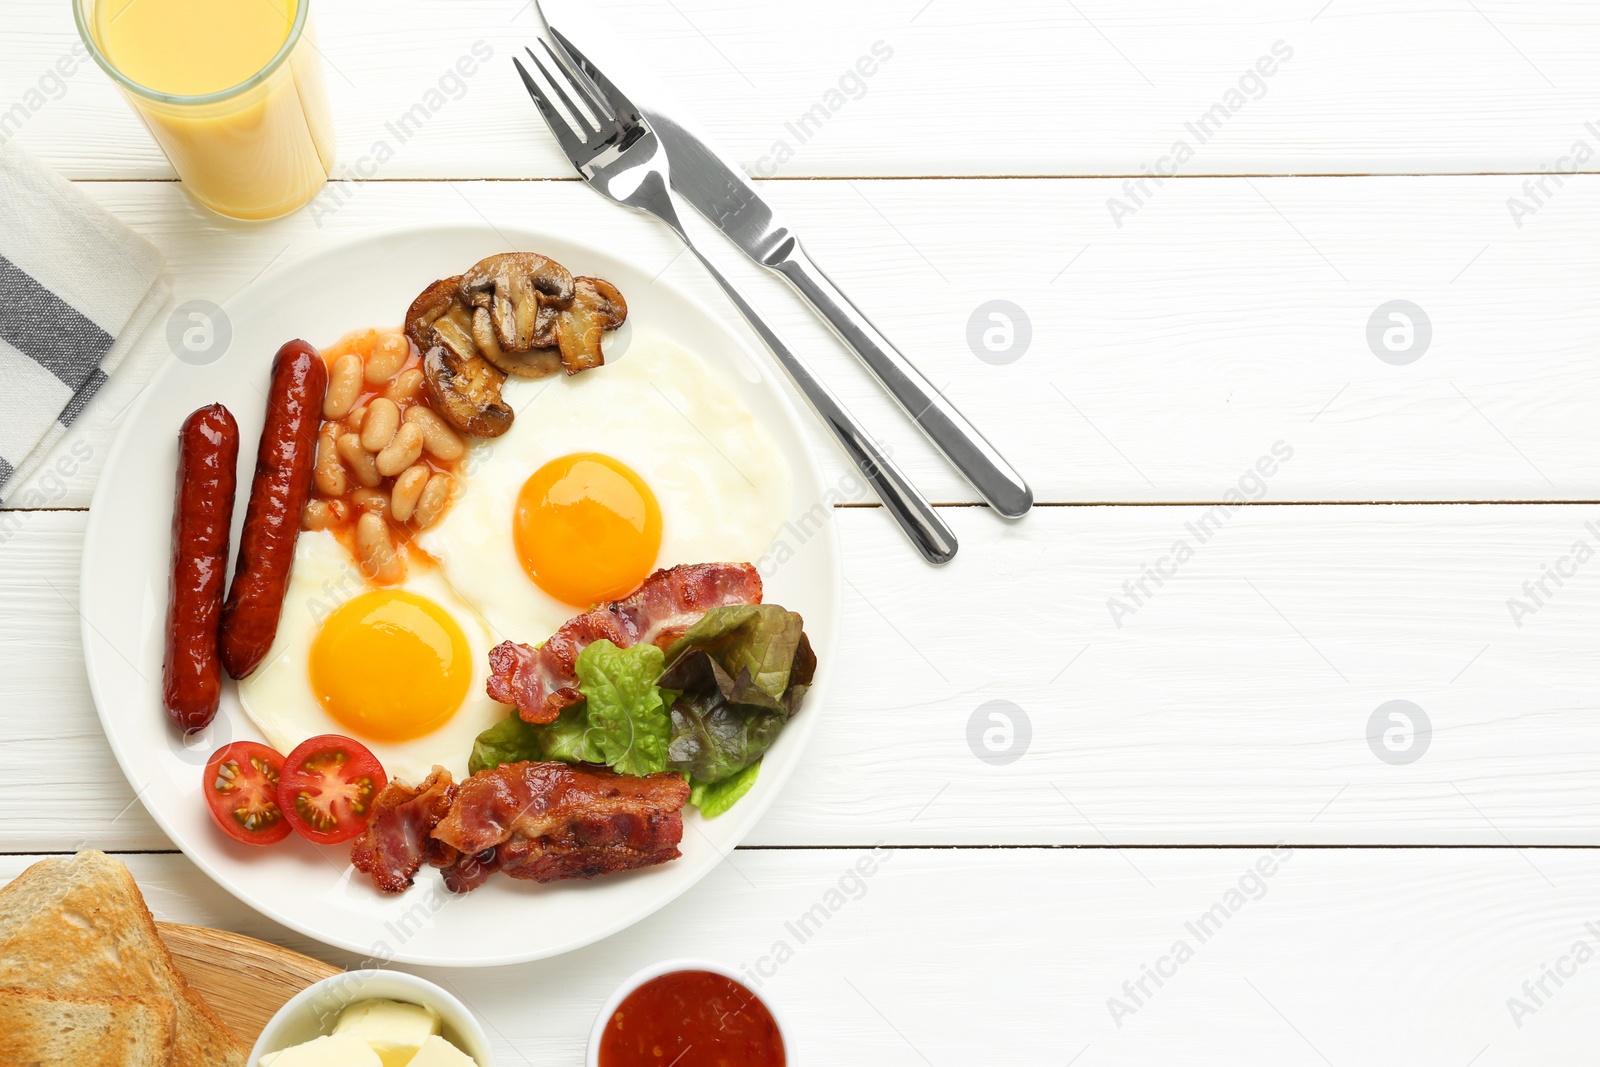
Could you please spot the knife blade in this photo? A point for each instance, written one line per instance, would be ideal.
(720, 192)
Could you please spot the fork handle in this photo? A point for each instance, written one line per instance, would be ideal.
(949, 431)
(930, 534)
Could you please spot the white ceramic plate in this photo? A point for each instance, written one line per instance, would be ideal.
(126, 557)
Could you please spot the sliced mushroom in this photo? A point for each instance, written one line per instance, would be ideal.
(534, 363)
(464, 389)
(513, 286)
(596, 307)
(433, 302)
(483, 335)
(453, 329)
(544, 327)
(466, 392)
(516, 313)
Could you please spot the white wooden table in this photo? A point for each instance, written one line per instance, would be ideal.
(1217, 724)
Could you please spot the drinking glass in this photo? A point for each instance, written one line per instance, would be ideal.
(254, 150)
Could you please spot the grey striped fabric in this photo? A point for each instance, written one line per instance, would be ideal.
(77, 288)
(38, 323)
(81, 397)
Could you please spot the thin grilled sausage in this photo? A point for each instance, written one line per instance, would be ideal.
(191, 675)
(278, 495)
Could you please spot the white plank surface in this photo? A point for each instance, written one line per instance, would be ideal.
(1232, 706)
(1003, 956)
(1180, 332)
(1094, 87)
(1166, 357)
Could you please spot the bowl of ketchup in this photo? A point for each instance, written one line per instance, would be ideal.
(688, 1013)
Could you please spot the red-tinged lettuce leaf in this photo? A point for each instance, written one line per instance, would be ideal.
(758, 654)
(740, 672)
(713, 740)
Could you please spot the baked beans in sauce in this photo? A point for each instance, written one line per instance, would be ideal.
(378, 373)
(691, 1019)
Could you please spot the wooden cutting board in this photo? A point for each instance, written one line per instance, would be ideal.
(244, 980)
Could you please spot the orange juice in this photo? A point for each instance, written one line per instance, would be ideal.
(231, 89)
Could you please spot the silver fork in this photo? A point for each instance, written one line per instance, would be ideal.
(617, 152)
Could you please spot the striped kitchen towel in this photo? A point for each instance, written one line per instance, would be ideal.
(77, 288)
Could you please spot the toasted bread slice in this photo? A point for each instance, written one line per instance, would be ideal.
(39, 1029)
(77, 925)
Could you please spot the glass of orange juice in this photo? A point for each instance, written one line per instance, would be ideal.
(232, 90)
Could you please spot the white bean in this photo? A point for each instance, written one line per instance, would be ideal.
(406, 386)
(435, 496)
(379, 560)
(329, 473)
(359, 460)
(322, 514)
(437, 437)
(344, 387)
(377, 430)
(388, 356)
(401, 452)
(373, 500)
(407, 491)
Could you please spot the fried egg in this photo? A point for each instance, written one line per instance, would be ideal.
(604, 477)
(400, 668)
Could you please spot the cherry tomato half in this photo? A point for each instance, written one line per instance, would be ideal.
(241, 785)
(328, 787)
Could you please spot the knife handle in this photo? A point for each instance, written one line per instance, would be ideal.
(919, 520)
(978, 461)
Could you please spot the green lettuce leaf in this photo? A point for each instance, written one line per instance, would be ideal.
(511, 740)
(508, 741)
(570, 738)
(628, 723)
(718, 797)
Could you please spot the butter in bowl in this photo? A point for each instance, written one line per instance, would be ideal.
(372, 1018)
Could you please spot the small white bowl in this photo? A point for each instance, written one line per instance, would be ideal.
(656, 970)
(315, 1009)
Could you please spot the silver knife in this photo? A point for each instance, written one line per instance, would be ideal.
(720, 192)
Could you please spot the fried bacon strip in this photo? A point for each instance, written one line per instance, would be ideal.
(400, 836)
(538, 821)
(548, 821)
(542, 681)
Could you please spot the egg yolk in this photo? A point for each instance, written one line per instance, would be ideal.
(587, 529)
(390, 665)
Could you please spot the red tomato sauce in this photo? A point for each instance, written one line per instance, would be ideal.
(691, 1019)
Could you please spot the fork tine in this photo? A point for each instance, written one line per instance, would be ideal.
(609, 92)
(579, 116)
(609, 99)
(604, 115)
(575, 147)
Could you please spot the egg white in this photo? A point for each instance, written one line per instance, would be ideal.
(278, 696)
(720, 481)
